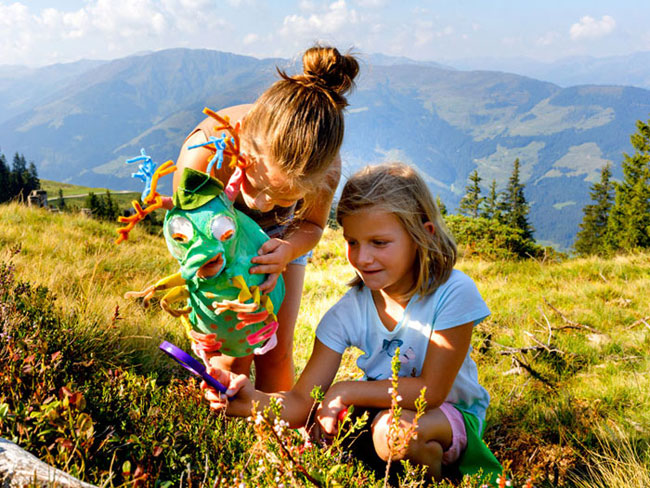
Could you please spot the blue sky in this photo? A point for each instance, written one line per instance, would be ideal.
(37, 32)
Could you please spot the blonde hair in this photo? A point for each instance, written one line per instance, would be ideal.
(398, 189)
(300, 118)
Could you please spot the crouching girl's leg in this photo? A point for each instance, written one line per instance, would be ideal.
(430, 446)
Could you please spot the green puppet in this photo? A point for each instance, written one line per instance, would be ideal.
(223, 310)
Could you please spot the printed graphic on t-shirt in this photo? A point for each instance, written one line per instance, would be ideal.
(405, 357)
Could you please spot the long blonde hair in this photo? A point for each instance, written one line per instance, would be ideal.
(300, 118)
(398, 189)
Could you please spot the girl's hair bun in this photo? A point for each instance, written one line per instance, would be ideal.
(334, 70)
(327, 69)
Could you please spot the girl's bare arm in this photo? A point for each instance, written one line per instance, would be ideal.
(297, 402)
(445, 355)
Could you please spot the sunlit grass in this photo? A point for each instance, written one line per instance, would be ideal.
(75, 257)
(554, 419)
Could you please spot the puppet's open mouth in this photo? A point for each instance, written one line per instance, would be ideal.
(211, 268)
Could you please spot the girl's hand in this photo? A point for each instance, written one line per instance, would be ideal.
(238, 386)
(329, 412)
(272, 258)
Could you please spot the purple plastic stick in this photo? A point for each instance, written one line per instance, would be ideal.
(191, 364)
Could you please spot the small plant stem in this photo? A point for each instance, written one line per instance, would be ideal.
(286, 452)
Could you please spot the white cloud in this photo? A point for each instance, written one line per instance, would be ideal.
(16, 13)
(424, 32)
(548, 39)
(307, 5)
(106, 28)
(335, 18)
(372, 3)
(590, 28)
(251, 39)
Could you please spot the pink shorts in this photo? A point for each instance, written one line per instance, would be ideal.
(459, 434)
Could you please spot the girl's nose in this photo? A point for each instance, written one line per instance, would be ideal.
(364, 255)
(263, 202)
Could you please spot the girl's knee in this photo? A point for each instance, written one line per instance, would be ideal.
(418, 449)
(385, 446)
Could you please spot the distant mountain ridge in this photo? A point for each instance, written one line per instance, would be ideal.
(629, 70)
(89, 117)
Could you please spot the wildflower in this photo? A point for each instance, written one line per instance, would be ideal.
(399, 398)
(390, 390)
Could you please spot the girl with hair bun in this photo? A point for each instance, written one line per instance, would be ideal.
(290, 140)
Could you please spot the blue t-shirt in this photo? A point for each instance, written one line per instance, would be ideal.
(354, 321)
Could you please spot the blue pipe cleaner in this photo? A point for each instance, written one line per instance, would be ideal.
(145, 171)
(219, 145)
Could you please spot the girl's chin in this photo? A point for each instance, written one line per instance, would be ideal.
(373, 284)
(252, 203)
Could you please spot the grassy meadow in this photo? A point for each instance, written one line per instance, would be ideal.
(565, 356)
(75, 195)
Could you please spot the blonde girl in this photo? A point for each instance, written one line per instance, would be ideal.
(290, 138)
(406, 295)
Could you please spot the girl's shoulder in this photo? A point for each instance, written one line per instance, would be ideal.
(459, 288)
(208, 126)
(457, 279)
(352, 305)
(455, 302)
(236, 113)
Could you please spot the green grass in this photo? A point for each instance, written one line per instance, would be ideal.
(573, 412)
(52, 188)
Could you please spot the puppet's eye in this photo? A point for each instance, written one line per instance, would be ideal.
(180, 229)
(222, 227)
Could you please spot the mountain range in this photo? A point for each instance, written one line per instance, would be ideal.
(80, 121)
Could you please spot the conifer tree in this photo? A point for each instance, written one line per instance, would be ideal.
(61, 199)
(514, 207)
(32, 181)
(470, 204)
(491, 203)
(4, 180)
(93, 203)
(629, 219)
(111, 208)
(18, 177)
(591, 239)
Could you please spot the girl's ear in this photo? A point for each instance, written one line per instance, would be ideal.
(429, 227)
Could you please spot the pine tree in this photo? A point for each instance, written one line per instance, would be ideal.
(111, 208)
(591, 239)
(93, 203)
(4, 180)
(629, 219)
(491, 203)
(61, 199)
(32, 181)
(470, 204)
(514, 207)
(18, 177)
